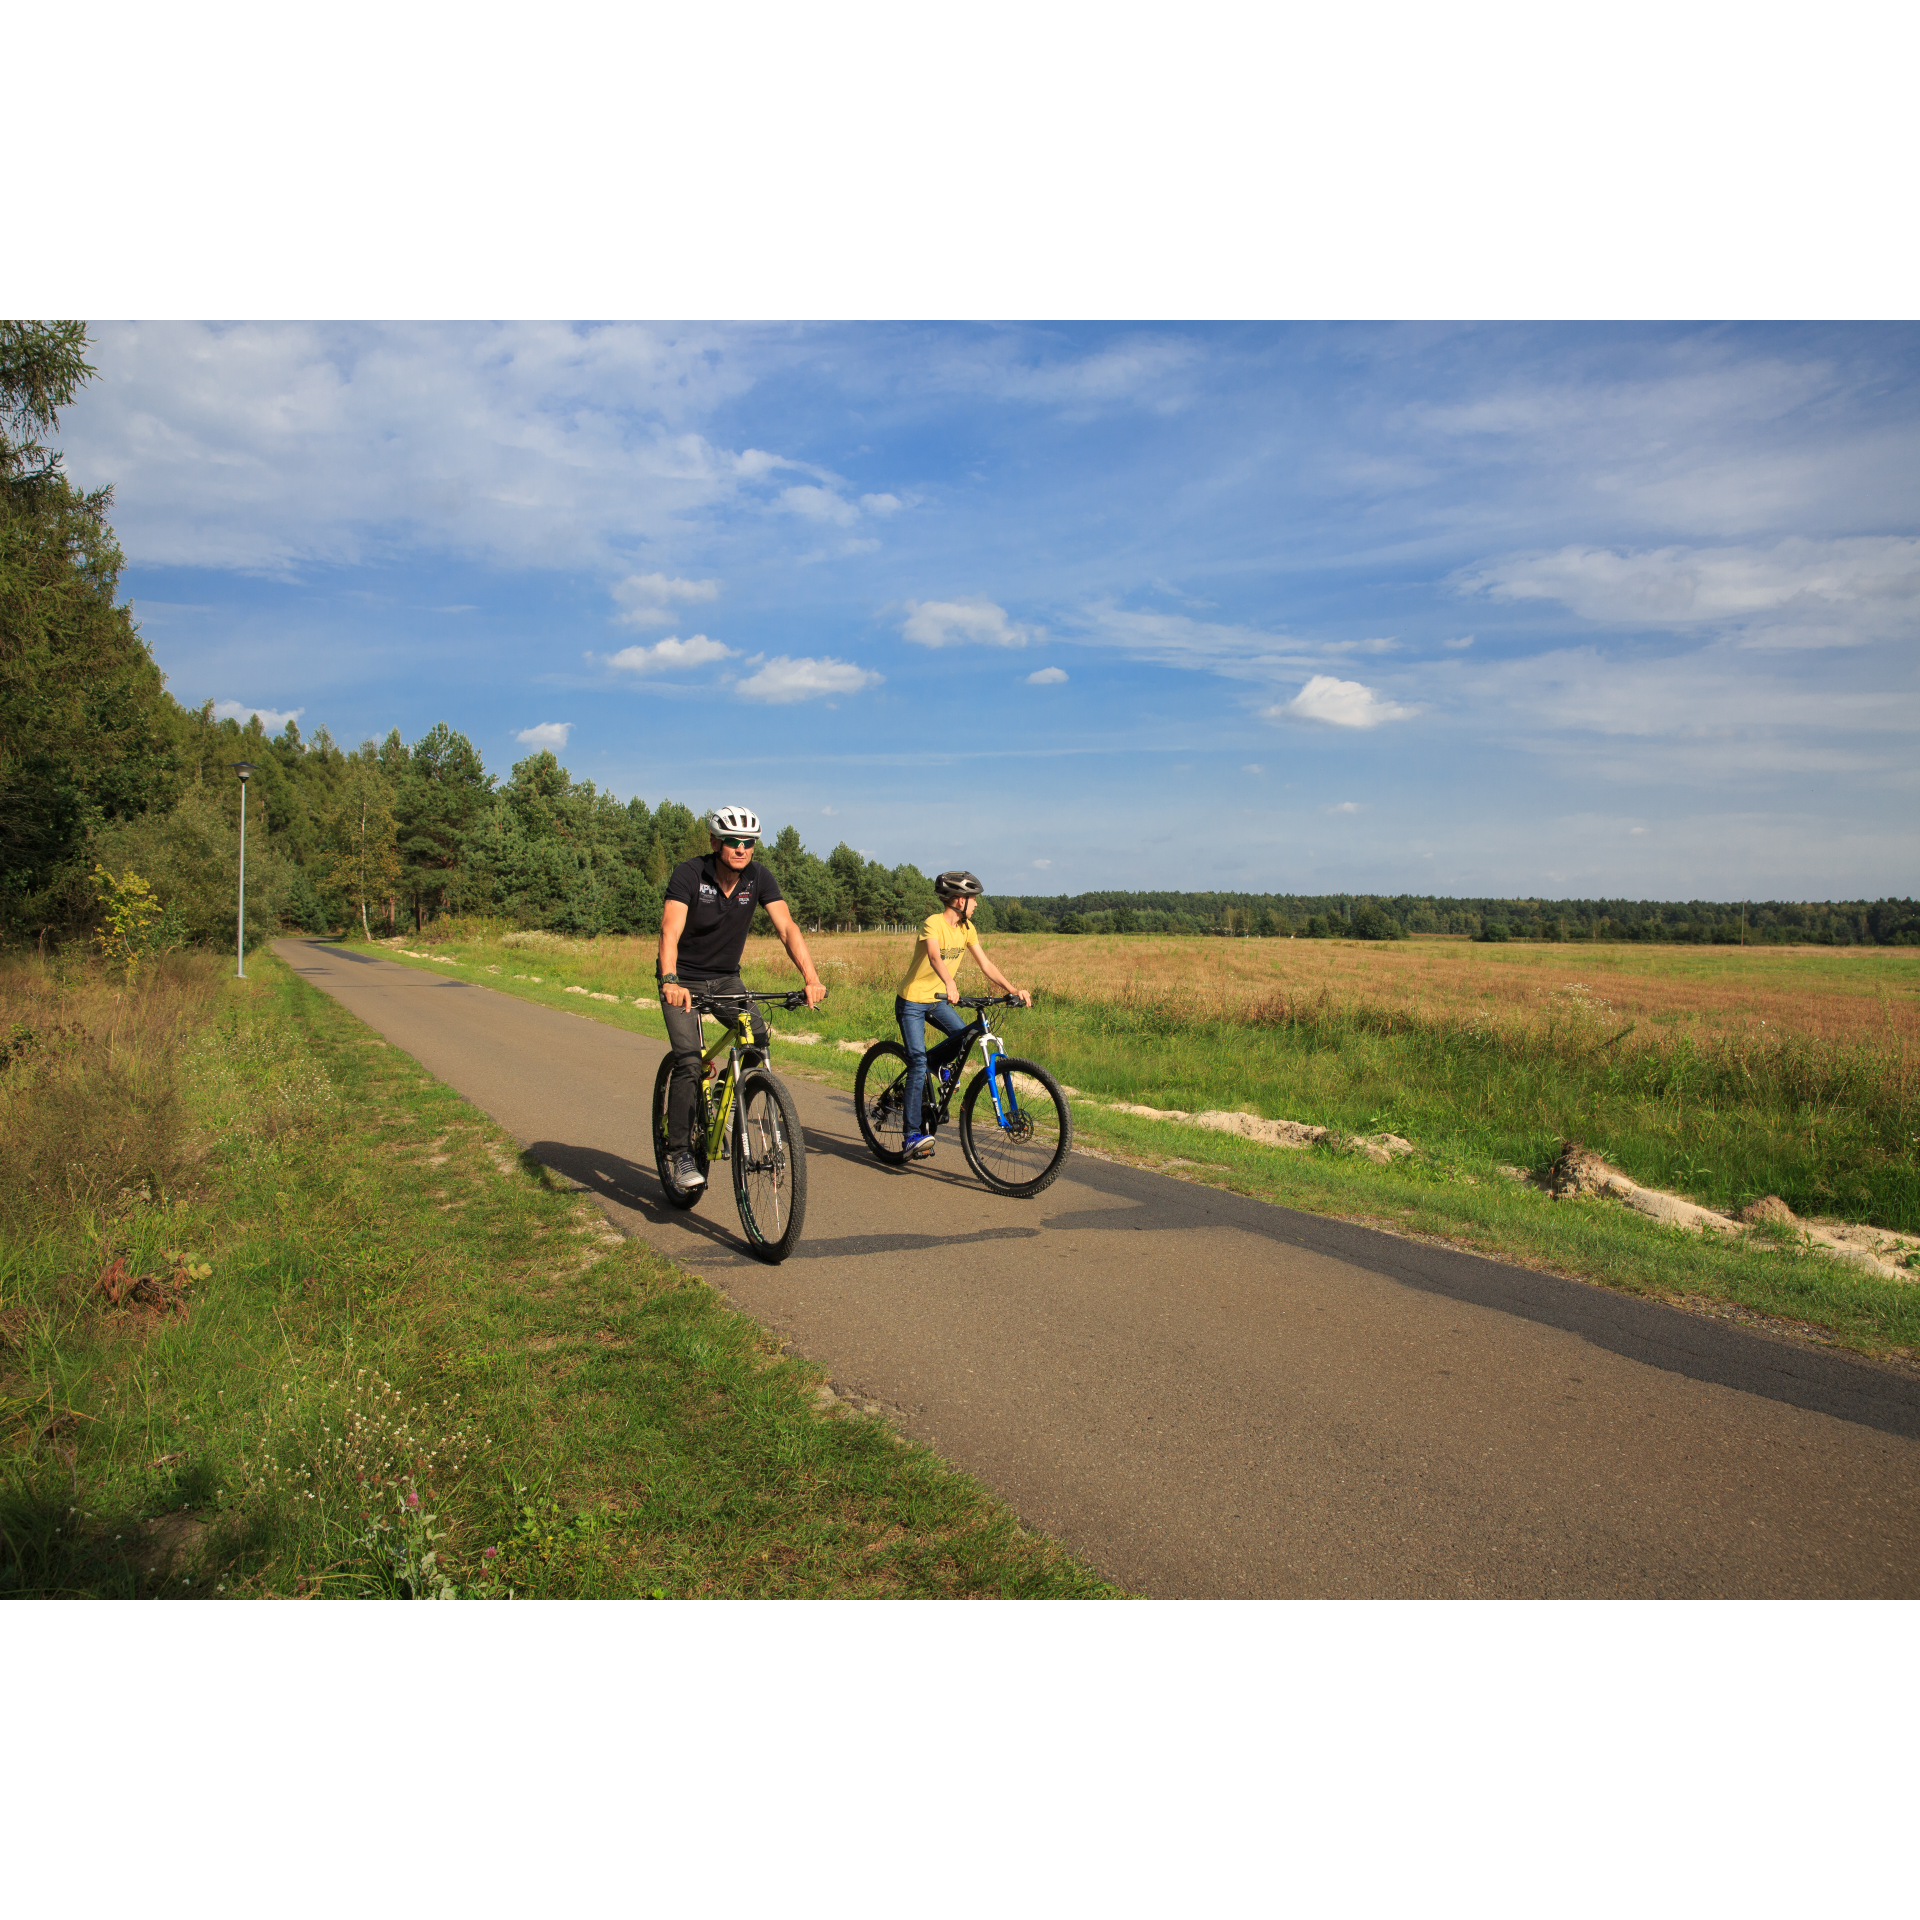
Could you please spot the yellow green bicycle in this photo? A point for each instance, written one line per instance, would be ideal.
(746, 1117)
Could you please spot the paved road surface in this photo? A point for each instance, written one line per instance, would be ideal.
(1204, 1395)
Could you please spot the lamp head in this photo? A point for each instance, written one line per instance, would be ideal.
(243, 768)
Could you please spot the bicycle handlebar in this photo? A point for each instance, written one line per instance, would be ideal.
(989, 1000)
(704, 1002)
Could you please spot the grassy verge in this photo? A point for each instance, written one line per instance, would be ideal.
(1475, 1096)
(350, 1344)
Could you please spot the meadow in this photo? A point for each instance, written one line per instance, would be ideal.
(1721, 1074)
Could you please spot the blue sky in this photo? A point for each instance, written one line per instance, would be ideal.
(1517, 609)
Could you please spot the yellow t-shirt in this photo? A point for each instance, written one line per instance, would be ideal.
(922, 983)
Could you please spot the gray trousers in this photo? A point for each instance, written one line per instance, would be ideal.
(683, 1036)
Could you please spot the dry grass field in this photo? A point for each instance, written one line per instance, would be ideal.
(1849, 996)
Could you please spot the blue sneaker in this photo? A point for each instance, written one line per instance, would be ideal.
(918, 1146)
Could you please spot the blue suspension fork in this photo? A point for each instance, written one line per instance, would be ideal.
(1006, 1106)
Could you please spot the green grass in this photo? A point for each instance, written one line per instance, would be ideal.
(397, 1303)
(1830, 1129)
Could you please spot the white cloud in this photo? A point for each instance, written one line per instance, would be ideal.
(954, 623)
(818, 503)
(273, 722)
(648, 598)
(666, 655)
(272, 446)
(1253, 769)
(781, 681)
(550, 734)
(1339, 703)
(1345, 806)
(1457, 646)
(1797, 593)
(756, 465)
(1047, 677)
(1043, 863)
(1636, 829)
(882, 504)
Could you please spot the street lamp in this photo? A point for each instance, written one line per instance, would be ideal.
(244, 768)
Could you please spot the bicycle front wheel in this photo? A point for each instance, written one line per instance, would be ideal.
(879, 1100)
(1020, 1146)
(769, 1166)
(662, 1152)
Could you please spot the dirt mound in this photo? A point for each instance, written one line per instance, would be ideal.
(1580, 1170)
(1771, 1208)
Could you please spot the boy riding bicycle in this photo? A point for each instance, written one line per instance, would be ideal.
(943, 945)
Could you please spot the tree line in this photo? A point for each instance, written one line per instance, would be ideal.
(1354, 916)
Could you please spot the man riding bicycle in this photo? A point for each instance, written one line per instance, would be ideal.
(943, 945)
(703, 932)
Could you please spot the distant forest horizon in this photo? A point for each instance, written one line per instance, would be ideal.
(1377, 916)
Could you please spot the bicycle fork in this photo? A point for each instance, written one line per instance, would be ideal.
(1000, 1090)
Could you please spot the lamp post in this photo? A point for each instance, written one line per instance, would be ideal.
(244, 768)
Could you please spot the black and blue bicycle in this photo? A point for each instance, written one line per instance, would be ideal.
(1016, 1128)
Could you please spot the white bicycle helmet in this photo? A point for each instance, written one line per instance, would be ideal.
(733, 820)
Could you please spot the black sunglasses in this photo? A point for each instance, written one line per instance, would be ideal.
(736, 843)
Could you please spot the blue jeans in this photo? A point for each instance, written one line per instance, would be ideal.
(913, 1016)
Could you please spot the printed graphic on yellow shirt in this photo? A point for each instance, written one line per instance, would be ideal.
(922, 983)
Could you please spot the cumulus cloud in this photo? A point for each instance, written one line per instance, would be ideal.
(881, 504)
(1047, 677)
(275, 446)
(819, 503)
(1339, 703)
(1796, 593)
(665, 655)
(550, 734)
(648, 598)
(269, 719)
(956, 623)
(782, 681)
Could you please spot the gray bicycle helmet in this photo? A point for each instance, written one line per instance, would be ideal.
(958, 884)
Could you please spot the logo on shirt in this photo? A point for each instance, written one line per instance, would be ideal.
(708, 891)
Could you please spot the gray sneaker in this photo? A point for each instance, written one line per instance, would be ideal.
(687, 1177)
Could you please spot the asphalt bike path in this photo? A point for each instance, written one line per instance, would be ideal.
(1205, 1395)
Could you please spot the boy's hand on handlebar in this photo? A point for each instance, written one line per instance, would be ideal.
(1023, 994)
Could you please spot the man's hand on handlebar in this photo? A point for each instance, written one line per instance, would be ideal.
(673, 994)
(815, 993)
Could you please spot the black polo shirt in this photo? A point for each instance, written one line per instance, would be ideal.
(715, 935)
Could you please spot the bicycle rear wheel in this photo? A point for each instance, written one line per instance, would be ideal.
(661, 1151)
(769, 1166)
(879, 1099)
(1023, 1153)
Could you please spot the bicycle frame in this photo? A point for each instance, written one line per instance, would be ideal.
(1000, 1087)
(734, 1035)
